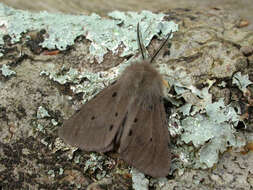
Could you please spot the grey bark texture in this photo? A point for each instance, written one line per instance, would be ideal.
(210, 44)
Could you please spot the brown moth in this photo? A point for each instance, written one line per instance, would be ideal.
(127, 116)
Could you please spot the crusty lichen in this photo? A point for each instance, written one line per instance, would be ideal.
(201, 124)
(242, 81)
(6, 71)
(104, 34)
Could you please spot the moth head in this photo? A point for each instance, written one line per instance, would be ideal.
(151, 58)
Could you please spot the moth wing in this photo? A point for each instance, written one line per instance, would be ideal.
(145, 139)
(94, 127)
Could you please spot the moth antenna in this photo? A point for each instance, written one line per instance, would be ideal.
(161, 46)
(140, 42)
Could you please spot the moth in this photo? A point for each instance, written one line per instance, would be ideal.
(128, 116)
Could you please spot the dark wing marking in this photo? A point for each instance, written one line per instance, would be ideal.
(145, 139)
(94, 127)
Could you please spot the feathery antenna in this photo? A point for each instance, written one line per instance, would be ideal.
(140, 42)
(142, 48)
(161, 46)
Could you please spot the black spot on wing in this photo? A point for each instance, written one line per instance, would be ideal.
(114, 94)
(111, 127)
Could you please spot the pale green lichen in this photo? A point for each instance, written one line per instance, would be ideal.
(59, 145)
(185, 109)
(222, 84)
(54, 122)
(150, 25)
(177, 77)
(213, 133)
(95, 162)
(77, 159)
(93, 83)
(6, 71)
(186, 157)
(242, 81)
(51, 173)
(72, 75)
(121, 29)
(139, 180)
(42, 113)
(61, 171)
(219, 113)
(104, 34)
(71, 152)
(58, 26)
(93, 79)
(209, 153)
(101, 175)
(40, 128)
(43, 141)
